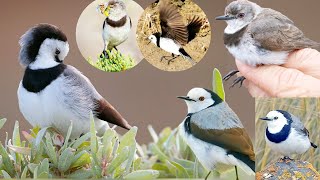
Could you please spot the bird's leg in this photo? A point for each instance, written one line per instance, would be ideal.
(207, 175)
(238, 80)
(237, 177)
(104, 53)
(169, 58)
(230, 74)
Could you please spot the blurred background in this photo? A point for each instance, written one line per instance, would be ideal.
(143, 95)
(307, 109)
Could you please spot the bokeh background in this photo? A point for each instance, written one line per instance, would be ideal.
(307, 109)
(144, 95)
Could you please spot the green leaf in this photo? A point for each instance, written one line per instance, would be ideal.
(108, 136)
(6, 175)
(40, 136)
(24, 173)
(65, 160)
(80, 174)
(156, 151)
(218, 84)
(8, 165)
(35, 173)
(143, 175)
(81, 159)
(44, 167)
(43, 175)
(51, 150)
(77, 143)
(2, 122)
(118, 160)
(93, 140)
(128, 139)
(66, 140)
(177, 169)
(16, 141)
(153, 134)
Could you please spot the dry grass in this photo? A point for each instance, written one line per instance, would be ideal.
(308, 109)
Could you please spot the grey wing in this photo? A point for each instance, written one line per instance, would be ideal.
(81, 96)
(276, 32)
(298, 125)
(220, 116)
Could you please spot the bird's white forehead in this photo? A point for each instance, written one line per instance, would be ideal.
(274, 114)
(197, 92)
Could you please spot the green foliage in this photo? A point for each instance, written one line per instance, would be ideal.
(307, 109)
(170, 156)
(47, 154)
(217, 84)
(116, 62)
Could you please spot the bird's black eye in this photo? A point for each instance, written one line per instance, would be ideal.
(241, 15)
(57, 52)
(276, 117)
(201, 98)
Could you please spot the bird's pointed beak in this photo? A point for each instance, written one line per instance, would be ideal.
(186, 98)
(265, 119)
(225, 18)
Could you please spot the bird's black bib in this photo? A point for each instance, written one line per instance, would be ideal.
(37, 80)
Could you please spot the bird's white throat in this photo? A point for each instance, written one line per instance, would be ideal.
(235, 25)
(276, 125)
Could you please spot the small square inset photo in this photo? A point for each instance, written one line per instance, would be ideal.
(287, 138)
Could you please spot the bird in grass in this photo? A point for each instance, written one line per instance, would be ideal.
(215, 133)
(51, 94)
(117, 25)
(286, 134)
(260, 36)
(174, 32)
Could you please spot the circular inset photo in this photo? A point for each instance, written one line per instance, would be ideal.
(106, 34)
(173, 35)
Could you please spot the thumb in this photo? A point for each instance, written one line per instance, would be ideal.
(279, 81)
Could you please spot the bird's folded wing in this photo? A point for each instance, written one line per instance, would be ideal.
(82, 98)
(233, 139)
(275, 32)
(194, 26)
(172, 24)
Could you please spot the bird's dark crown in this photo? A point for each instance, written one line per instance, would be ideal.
(215, 97)
(31, 41)
(286, 115)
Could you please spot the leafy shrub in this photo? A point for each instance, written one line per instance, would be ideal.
(116, 62)
(47, 154)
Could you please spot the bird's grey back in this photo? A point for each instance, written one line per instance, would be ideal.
(297, 124)
(220, 116)
(276, 32)
(80, 95)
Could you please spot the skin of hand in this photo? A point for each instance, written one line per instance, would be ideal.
(299, 77)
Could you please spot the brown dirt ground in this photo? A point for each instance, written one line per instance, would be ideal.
(197, 48)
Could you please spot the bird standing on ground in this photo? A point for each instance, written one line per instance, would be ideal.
(117, 25)
(260, 36)
(174, 32)
(51, 94)
(286, 134)
(215, 134)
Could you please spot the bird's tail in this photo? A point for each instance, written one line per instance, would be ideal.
(248, 166)
(185, 55)
(313, 145)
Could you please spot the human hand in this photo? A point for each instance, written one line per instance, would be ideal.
(299, 77)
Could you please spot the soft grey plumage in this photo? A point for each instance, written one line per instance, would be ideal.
(214, 132)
